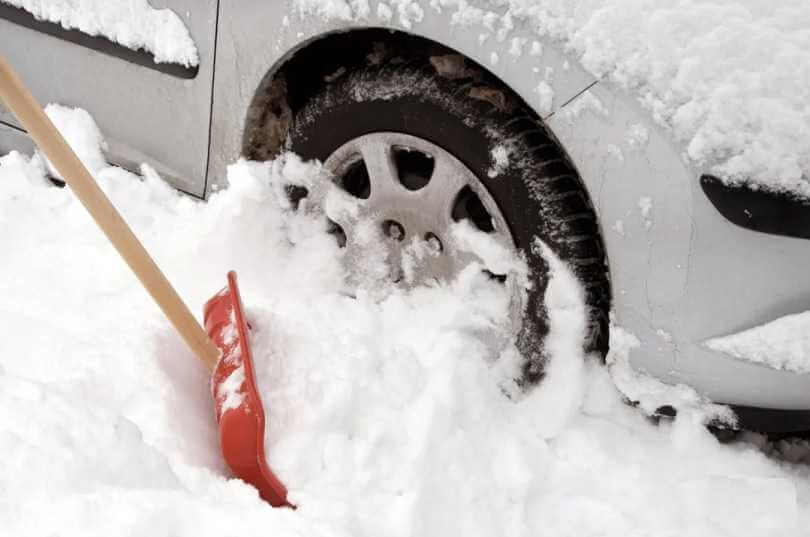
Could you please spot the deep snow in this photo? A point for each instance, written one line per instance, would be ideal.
(388, 416)
(730, 79)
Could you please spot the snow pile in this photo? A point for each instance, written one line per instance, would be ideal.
(730, 78)
(652, 395)
(132, 23)
(545, 98)
(80, 128)
(387, 416)
(781, 344)
(398, 409)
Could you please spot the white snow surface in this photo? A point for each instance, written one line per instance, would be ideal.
(545, 98)
(387, 416)
(499, 156)
(781, 344)
(729, 78)
(134, 24)
(79, 127)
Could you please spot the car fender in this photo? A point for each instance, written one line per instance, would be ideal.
(680, 272)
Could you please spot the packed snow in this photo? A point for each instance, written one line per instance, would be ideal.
(780, 344)
(132, 23)
(387, 415)
(545, 98)
(729, 78)
(80, 127)
(499, 155)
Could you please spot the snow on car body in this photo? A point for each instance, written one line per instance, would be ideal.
(680, 272)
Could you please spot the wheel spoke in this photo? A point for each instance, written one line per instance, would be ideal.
(382, 171)
(372, 264)
(342, 208)
(317, 190)
(493, 251)
(439, 195)
(462, 258)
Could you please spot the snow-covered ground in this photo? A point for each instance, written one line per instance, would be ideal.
(729, 78)
(388, 415)
(132, 23)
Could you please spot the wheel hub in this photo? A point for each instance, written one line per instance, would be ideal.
(399, 199)
(415, 192)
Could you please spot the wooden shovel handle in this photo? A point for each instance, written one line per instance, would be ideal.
(20, 101)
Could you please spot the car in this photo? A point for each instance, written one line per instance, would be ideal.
(426, 123)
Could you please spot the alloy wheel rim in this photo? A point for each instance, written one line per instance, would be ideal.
(404, 195)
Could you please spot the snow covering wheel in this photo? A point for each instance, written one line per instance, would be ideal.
(434, 141)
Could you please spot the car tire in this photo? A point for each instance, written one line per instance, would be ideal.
(467, 113)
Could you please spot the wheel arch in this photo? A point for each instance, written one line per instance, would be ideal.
(302, 71)
(663, 276)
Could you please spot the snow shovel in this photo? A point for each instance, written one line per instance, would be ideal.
(225, 350)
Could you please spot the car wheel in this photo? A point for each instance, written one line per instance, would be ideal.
(424, 144)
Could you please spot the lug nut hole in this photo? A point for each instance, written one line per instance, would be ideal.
(434, 242)
(394, 230)
(334, 229)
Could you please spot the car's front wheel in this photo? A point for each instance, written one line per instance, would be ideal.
(419, 149)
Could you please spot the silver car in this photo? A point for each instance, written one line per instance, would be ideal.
(419, 122)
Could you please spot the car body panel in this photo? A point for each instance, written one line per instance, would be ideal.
(692, 275)
(12, 138)
(680, 275)
(257, 36)
(146, 115)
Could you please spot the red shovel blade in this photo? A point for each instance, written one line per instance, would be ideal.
(239, 409)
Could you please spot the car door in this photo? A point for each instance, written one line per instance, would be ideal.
(151, 112)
